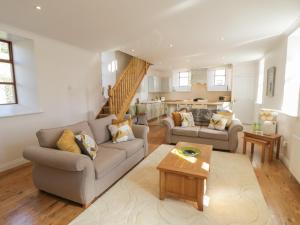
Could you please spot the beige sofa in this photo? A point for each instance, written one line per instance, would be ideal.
(75, 176)
(223, 140)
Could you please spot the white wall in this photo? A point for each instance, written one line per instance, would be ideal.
(244, 87)
(68, 80)
(288, 126)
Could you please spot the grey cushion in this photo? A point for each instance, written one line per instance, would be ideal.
(130, 147)
(48, 137)
(204, 132)
(203, 116)
(186, 131)
(107, 159)
(100, 130)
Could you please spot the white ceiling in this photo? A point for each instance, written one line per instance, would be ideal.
(196, 28)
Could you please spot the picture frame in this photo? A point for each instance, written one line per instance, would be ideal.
(271, 73)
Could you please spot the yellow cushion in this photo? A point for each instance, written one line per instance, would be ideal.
(177, 119)
(67, 142)
(228, 116)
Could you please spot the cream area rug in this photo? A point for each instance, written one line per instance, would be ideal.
(232, 189)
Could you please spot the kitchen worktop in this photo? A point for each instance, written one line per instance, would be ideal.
(191, 102)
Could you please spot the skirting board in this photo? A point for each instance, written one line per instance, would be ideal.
(12, 164)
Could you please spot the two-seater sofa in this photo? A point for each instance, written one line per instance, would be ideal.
(75, 176)
(223, 140)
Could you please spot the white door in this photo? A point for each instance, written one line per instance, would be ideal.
(243, 95)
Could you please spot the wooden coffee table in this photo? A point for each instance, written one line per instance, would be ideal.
(185, 177)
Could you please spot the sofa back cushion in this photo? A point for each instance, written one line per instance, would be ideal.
(48, 137)
(100, 128)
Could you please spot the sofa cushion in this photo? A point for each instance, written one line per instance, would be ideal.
(204, 132)
(100, 128)
(130, 147)
(186, 131)
(48, 137)
(106, 160)
(203, 116)
(67, 142)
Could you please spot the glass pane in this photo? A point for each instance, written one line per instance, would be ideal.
(6, 72)
(183, 81)
(220, 72)
(219, 80)
(7, 94)
(4, 50)
(183, 74)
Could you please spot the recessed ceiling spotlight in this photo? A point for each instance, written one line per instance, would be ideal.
(132, 50)
(222, 38)
(38, 7)
(171, 45)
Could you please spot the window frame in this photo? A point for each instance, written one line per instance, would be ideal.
(215, 75)
(181, 72)
(11, 62)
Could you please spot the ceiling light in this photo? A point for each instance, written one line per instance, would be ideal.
(222, 38)
(132, 50)
(171, 45)
(38, 7)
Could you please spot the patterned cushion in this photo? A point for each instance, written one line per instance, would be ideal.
(217, 122)
(187, 119)
(121, 132)
(203, 116)
(226, 115)
(87, 145)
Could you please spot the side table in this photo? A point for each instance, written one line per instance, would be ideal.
(272, 140)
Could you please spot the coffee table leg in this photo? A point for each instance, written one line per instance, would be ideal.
(200, 194)
(278, 147)
(271, 151)
(244, 146)
(162, 185)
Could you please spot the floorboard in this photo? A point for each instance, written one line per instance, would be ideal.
(23, 204)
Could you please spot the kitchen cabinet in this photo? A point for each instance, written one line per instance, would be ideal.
(199, 76)
(159, 84)
(154, 84)
(153, 109)
(211, 86)
(166, 84)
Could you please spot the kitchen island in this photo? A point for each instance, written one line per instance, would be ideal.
(155, 109)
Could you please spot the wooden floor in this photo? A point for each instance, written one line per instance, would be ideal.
(22, 203)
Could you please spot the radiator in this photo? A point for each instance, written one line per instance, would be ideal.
(295, 157)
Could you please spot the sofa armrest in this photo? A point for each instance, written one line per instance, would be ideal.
(169, 123)
(235, 127)
(141, 131)
(57, 159)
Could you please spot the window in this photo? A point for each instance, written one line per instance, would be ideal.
(260, 85)
(220, 77)
(184, 79)
(8, 93)
(290, 102)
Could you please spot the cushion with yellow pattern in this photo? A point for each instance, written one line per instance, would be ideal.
(87, 145)
(66, 142)
(226, 115)
(217, 122)
(121, 132)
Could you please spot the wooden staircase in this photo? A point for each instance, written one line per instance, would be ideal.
(122, 93)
